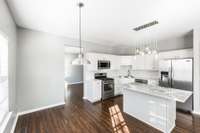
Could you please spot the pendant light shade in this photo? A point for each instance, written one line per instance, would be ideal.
(80, 60)
(150, 47)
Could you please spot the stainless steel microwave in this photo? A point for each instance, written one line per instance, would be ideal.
(103, 64)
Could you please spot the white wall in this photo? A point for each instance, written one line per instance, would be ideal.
(40, 70)
(91, 47)
(73, 73)
(40, 67)
(8, 28)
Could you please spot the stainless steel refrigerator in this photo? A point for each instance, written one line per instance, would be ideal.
(178, 73)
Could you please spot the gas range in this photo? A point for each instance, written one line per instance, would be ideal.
(107, 85)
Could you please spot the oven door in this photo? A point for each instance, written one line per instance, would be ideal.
(107, 89)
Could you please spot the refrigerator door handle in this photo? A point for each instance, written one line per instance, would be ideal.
(169, 77)
(172, 76)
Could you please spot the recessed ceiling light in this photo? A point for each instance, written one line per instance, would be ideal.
(146, 25)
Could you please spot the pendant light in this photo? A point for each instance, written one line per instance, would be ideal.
(80, 60)
(148, 47)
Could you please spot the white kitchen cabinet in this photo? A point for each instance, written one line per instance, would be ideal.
(94, 57)
(183, 53)
(159, 112)
(145, 62)
(118, 86)
(96, 90)
(126, 60)
(138, 62)
(151, 62)
(93, 90)
(115, 64)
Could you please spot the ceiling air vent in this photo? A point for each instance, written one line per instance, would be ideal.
(145, 26)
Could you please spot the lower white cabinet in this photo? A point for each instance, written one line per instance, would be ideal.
(118, 86)
(93, 90)
(157, 112)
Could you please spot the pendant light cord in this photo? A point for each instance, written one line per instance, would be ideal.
(80, 38)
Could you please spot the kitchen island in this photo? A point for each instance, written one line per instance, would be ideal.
(153, 105)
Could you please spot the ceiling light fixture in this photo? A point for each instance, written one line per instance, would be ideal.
(80, 60)
(146, 25)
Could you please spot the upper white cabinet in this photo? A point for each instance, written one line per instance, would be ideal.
(115, 65)
(94, 57)
(146, 62)
(126, 60)
(183, 53)
(151, 62)
(138, 62)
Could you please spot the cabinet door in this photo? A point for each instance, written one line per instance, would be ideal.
(138, 62)
(126, 60)
(96, 90)
(151, 62)
(115, 63)
(118, 89)
(183, 53)
(134, 62)
(92, 58)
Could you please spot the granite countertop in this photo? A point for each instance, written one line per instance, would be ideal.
(162, 92)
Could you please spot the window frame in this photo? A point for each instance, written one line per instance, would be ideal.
(7, 114)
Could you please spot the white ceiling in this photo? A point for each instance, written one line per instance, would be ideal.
(109, 21)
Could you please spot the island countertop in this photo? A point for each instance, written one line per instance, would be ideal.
(162, 92)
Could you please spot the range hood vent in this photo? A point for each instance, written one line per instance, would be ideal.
(145, 26)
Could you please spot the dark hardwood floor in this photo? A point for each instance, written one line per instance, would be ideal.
(80, 116)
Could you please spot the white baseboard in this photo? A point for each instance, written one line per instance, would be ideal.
(14, 124)
(31, 111)
(196, 113)
(39, 109)
(75, 83)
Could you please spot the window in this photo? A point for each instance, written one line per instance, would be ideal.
(4, 108)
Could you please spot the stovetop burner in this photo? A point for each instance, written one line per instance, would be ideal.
(102, 76)
(105, 78)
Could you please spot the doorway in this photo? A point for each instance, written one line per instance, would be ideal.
(73, 73)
